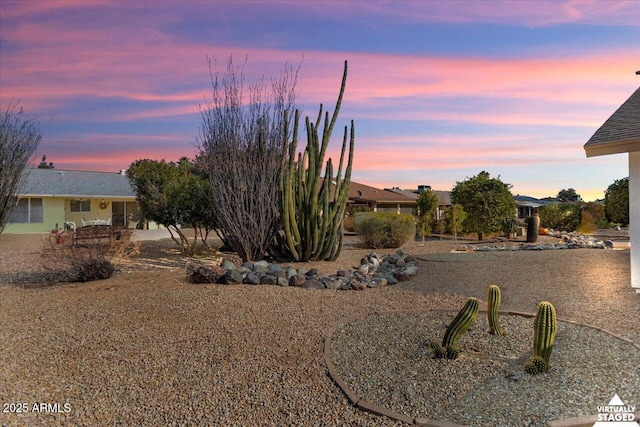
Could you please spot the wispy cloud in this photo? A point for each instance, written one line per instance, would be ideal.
(129, 77)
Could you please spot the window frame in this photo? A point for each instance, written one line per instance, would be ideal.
(81, 204)
(34, 211)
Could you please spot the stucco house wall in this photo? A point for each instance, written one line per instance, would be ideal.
(621, 134)
(634, 217)
(52, 214)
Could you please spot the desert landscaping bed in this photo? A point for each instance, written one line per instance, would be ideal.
(147, 348)
(385, 359)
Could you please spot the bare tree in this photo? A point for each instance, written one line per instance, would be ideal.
(241, 140)
(19, 139)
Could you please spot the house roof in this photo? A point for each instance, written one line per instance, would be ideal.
(81, 184)
(366, 193)
(620, 133)
(444, 197)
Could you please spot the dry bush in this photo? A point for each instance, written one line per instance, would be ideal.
(90, 258)
(384, 229)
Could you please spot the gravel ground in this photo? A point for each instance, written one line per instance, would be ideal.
(386, 360)
(147, 348)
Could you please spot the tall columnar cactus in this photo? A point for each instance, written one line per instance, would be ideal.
(545, 327)
(465, 318)
(494, 298)
(313, 206)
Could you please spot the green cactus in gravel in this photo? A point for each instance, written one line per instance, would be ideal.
(535, 365)
(313, 206)
(494, 297)
(465, 318)
(545, 326)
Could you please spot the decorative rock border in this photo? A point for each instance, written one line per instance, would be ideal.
(374, 271)
(569, 241)
(364, 405)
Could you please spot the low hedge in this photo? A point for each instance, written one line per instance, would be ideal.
(384, 229)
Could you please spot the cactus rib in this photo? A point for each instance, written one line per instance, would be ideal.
(494, 298)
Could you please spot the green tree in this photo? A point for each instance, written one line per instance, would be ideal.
(19, 139)
(569, 195)
(174, 195)
(454, 217)
(560, 216)
(616, 201)
(486, 201)
(424, 211)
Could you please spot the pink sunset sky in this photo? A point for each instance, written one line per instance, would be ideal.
(438, 90)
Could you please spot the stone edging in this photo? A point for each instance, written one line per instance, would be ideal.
(364, 405)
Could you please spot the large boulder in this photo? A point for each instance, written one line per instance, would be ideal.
(198, 273)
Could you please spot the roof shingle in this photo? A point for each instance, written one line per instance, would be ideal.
(65, 183)
(620, 133)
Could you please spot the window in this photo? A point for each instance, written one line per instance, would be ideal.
(78, 205)
(27, 211)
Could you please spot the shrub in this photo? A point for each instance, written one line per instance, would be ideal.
(349, 222)
(616, 201)
(384, 229)
(93, 260)
(561, 216)
(454, 217)
(509, 226)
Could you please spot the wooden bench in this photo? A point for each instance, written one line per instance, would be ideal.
(96, 234)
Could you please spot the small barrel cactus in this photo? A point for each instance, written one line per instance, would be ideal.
(494, 298)
(545, 326)
(465, 318)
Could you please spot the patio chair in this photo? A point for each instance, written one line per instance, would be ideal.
(109, 221)
(84, 222)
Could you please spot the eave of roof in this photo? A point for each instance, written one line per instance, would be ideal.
(620, 133)
(615, 147)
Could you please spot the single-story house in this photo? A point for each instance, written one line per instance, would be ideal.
(379, 200)
(621, 134)
(52, 198)
(444, 197)
(526, 205)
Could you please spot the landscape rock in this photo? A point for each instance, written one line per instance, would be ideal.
(313, 284)
(358, 286)
(282, 281)
(374, 271)
(268, 279)
(228, 265)
(335, 284)
(233, 277)
(198, 273)
(297, 280)
(252, 278)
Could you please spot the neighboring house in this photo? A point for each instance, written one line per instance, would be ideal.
(621, 134)
(379, 200)
(53, 197)
(444, 197)
(526, 205)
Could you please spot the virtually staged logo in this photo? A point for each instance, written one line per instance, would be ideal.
(616, 414)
